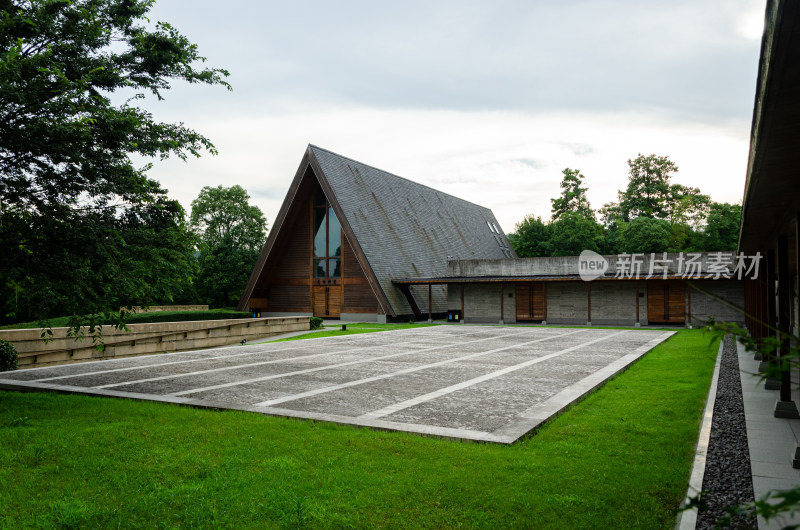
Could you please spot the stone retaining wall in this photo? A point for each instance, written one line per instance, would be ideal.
(144, 339)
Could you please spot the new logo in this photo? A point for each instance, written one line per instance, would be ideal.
(591, 265)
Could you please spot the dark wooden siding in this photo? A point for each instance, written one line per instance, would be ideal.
(358, 295)
(285, 280)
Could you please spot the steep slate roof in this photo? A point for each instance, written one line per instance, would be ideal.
(403, 229)
(406, 229)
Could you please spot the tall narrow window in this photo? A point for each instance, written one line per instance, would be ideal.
(327, 239)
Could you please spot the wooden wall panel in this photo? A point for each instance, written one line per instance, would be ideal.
(334, 301)
(320, 302)
(538, 301)
(285, 281)
(656, 307)
(666, 302)
(524, 302)
(289, 298)
(358, 296)
(531, 301)
(293, 255)
(676, 303)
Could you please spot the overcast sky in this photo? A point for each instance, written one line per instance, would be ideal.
(488, 101)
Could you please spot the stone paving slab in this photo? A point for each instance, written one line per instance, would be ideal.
(486, 383)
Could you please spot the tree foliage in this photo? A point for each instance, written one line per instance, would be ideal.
(651, 215)
(83, 229)
(573, 196)
(573, 233)
(231, 233)
(645, 234)
(531, 238)
(721, 231)
(648, 193)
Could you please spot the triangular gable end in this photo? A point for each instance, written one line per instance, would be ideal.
(284, 267)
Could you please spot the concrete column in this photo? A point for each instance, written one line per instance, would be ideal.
(638, 322)
(588, 303)
(784, 407)
(462, 303)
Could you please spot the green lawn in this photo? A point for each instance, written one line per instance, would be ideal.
(618, 459)
(352, 329)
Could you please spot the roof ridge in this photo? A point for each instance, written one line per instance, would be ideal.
(401, 178)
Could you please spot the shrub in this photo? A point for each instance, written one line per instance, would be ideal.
(8, 356)
(316, 322)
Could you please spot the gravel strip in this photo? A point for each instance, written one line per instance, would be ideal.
(728, 480)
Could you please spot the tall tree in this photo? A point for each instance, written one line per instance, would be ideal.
(648, 193)
(573, 196)
(82, 228)
(231, 233)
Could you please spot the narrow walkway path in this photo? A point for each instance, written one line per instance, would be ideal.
(772, 441)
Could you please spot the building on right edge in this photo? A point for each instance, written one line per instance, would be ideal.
(771, 203)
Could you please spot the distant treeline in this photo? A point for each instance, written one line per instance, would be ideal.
(650, 215)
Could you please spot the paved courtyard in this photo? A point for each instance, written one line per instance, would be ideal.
(473, 382)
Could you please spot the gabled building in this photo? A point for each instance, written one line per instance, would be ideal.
(346, 230)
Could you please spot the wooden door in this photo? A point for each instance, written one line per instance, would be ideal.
(666, 302)
(320, 301)
(327, 301)
(531, 301)
(334, 301)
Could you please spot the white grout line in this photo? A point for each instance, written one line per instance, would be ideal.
(339, 365)
(235, 367)
(157, 365)
(396, 407)
(687, 519)
(413, 369)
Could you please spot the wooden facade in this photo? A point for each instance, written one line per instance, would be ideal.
(299, 276)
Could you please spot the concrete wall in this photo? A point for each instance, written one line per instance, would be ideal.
(482, 302)
(568, 265)
(722, 299)
(567, 303)
(613, 302)
(144, 339)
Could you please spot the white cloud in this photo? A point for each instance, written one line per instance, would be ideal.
(510, 162)
(486, 101)
(750, 20)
